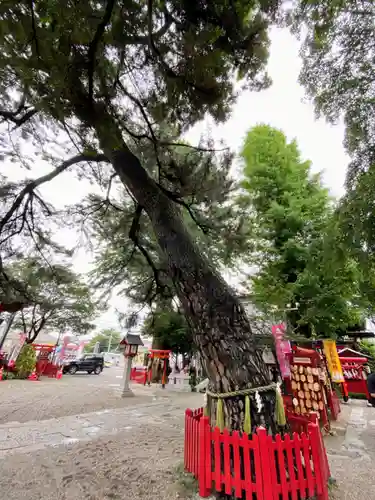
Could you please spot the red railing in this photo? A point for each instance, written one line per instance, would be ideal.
(261, 466)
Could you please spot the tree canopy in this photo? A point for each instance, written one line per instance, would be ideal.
(108, 339)
(169, 330)
(338, 75)
(295, 238)
(61, 302)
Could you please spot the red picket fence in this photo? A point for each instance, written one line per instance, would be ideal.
(261, 466)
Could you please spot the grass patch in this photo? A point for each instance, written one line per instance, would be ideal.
(186, 483)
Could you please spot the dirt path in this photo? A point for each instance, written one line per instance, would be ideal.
(137, 462)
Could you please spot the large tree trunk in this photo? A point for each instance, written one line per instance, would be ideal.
(220, 326)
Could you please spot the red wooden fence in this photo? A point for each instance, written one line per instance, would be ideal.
(261, 466)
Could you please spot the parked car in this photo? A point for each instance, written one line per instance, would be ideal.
(90, 363)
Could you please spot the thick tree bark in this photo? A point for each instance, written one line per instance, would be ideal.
(222, 331)
(221, 328)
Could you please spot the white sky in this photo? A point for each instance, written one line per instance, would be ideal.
(280, 106)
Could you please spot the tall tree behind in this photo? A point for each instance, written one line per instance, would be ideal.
(294, 236)
(108, 75)
(338, 74)
(109, 340)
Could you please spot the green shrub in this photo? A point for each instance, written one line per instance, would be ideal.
(8, 375)
(368, 349)
(26, 361)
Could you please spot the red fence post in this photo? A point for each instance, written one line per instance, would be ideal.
(320, 469)
(204, 449)
(266, 464)
(187, 442)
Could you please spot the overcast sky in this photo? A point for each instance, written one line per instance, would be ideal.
(281, 106)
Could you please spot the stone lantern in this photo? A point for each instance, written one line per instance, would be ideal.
(129, 345)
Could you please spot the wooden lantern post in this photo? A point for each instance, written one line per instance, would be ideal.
(129, 344)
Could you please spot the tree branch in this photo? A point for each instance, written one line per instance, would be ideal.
(94, 45)
(133, 235)
(177, 199)
(156, 52)
(28, 190)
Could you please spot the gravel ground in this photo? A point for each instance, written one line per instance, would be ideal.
(23, 400)
(140, 464)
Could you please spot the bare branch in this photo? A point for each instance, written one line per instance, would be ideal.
(28, 190)
(12, 115)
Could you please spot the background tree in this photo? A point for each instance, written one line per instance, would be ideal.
(108, 339)
(61, 301)
(169, 330)
(295, 239)
(109, 84)
(338, 74)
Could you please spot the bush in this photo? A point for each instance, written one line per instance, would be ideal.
(26, 361)
(8, 375)
(368, 349)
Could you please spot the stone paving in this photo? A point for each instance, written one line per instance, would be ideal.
(352, 454)
(34, 435)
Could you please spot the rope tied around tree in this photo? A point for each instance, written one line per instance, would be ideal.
(222, 396)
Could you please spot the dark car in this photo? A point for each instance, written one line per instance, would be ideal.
(90, 363)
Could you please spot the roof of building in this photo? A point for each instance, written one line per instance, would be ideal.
(130, 338)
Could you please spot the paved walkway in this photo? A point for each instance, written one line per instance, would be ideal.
(35, 435)
(352, 454)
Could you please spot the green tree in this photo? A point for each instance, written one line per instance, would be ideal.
(295, 239)
(169, 330)
(107, 77)
(338, 74)
(108, 339)
(61, 301)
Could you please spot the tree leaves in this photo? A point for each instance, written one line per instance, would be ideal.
(60, 301)
(297, 241)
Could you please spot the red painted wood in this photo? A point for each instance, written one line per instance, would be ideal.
(304, 452)
(289, 446)
(306, 455)
(282, 470)
(268, 465)
(204, 428)
(217, 458)
(301, 477)
(227, 468)
(209, 459)
(237, 483)
(245, 444)
(315, 445)
(258, 467)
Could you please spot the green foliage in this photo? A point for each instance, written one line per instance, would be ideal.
(339, 69)
(61, 301)
(108, 339)
(295, 239)
(368, 348)
(170, 330)
(104, 73)
(26, 361)
(338, 74)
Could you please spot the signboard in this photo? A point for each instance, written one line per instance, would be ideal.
(333, 361)
(283, 348)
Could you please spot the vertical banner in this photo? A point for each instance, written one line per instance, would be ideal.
(333, 361)
(283, 348)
